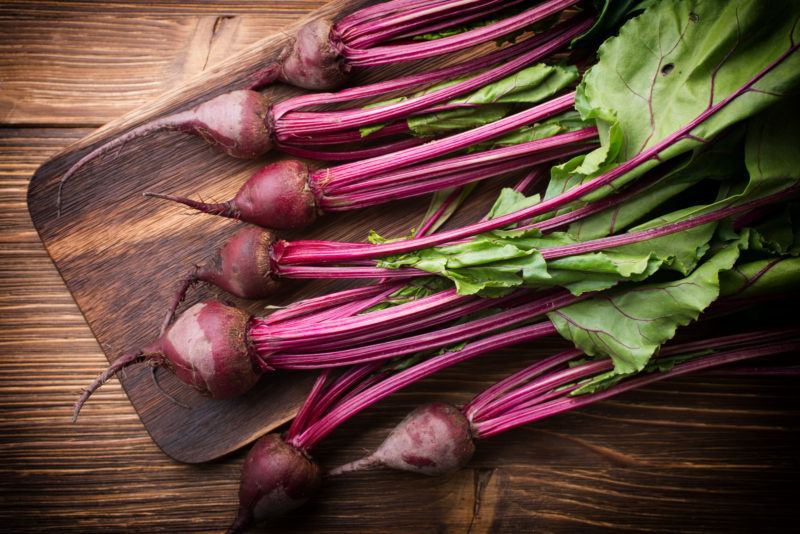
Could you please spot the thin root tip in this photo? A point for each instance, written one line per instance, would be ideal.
(153, 194)
(362, 464)
(111, 370)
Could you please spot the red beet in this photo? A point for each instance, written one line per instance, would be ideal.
(276, 478)
(207, 347)
(432, 440)
(311, 61)
(241, 267)
(278, 195)
(234, 122)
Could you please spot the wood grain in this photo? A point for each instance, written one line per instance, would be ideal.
(51, 73)
(700, 454)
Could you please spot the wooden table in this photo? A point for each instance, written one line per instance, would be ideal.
(705, 453)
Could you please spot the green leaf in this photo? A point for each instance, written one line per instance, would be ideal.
(611, 13)
(512, 258)
(509, 201)
(629, 325)
(605, 380)
(438, 199)
(761, 277)
(492, 102)
(569, 121)
(720, 160)
(664, 68)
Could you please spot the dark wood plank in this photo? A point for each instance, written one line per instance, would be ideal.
(60, 67)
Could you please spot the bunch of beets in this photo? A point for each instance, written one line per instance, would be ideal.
(652, 202)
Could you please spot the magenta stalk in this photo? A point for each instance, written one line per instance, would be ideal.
(576, 193)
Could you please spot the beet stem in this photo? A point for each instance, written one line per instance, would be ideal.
(585, 138)
(409, 344)
(351, 155)
(393, 383)
(347, 252)
(383, 55)
(302, 418)
(517, 418)
(299, 124)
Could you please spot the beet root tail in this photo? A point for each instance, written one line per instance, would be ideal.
(102, 378)
(180, 294)
(362, 464)
(171, 122)
(265, 77)
(223, 209)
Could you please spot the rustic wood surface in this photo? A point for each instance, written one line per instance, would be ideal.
(697, 454)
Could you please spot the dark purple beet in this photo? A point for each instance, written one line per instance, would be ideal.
(434, 439)
(207, 347)
(241, 267)
(234, 122)
(276, 196)
(312, 61)
(276, 478)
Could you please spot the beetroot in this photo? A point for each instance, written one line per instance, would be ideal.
(207, 347)
(234, 122)
(276, 478)
(311, 61)
(432, 440)
(276, 196)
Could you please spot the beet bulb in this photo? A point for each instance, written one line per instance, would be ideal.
(207, 347)
(434, 439)
(234, 122)
(241, 267)
(311, 60)
(276, 478)
(278, 195)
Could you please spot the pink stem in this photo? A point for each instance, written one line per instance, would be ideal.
(420, 342)
(467, 161)
(340, 386)
(650, 154)
(303, 271)
(300, 124)
(428, 224)
(401, 84)
(500, 424)
(267, 345)
(348, 31)
(352, 172)
(515, 380)
(315, 304)
(384, 55)
(301, 420)
(351, 155)
(393, 383)
(367, 198)
(420, 25)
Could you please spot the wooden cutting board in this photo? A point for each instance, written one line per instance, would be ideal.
(121, 254)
